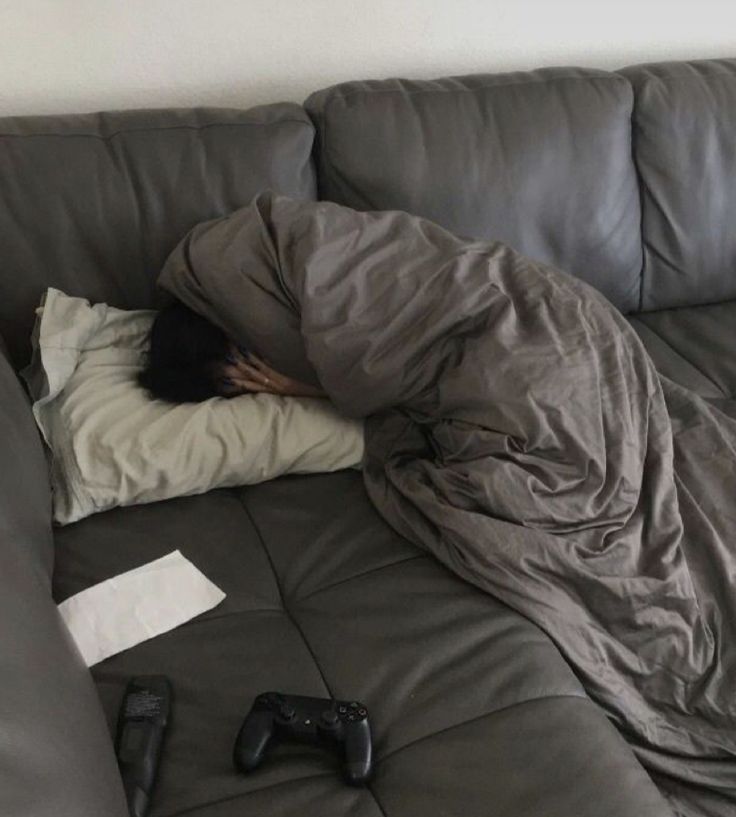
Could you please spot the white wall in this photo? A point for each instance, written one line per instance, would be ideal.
(84, 55)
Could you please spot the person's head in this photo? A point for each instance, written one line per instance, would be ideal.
(186, 357)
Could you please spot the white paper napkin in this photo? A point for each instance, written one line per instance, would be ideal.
(116, 614)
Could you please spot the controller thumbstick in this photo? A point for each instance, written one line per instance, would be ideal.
(330, 717)
(287, 712)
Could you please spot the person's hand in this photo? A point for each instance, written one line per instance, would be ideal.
(244, 373)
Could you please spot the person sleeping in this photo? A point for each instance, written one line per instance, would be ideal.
(191, 360)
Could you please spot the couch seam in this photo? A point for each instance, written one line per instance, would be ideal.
(640, 187)
(295, 623)
(154, 128)
(359, 576)
(645, 76)
(606, 76)
(244, 794)
(206, 619)
(491, 714)
(680, 354)
(282, 597)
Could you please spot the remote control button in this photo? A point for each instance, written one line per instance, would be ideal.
(134, 735)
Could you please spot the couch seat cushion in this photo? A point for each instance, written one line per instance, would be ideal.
(470, 703)
(694, 346)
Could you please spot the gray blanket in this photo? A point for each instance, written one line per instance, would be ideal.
(518, 430)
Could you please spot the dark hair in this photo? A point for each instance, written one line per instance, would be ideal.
(184, 356)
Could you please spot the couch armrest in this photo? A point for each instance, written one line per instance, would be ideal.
(56, 756)
(25, 492)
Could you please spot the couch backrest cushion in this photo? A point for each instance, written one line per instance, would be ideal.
(92, 204)
(538, 160)
(685, 150)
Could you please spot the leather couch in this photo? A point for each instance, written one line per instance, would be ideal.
(625, 179)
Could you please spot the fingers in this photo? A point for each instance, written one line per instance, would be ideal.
(260, 366)
(235, 385)
(250, 365)
(244, 372)
(238, 354)
(255, 386)
(241, 371)
(254, 373)
(258, 372)
(263, 361)
(227, 387)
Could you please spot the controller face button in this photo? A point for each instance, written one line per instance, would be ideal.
(353, 705)
(342, 710)
(362, 712)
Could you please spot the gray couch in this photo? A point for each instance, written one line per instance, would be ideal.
(625, 179)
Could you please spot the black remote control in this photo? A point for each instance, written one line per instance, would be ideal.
(144, 714)
(338, 725)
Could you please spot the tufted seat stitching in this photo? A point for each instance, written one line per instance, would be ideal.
(677, 351)
(282, 598)
(295, 623)
(478, 718)
(359, 576)
(247, 793)
(206, 619)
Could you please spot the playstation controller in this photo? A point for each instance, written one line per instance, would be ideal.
(341, 726)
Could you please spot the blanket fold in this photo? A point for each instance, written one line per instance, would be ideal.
(518, 430)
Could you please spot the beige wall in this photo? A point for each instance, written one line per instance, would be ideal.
(83, 55)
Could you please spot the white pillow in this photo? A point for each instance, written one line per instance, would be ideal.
(111, 444)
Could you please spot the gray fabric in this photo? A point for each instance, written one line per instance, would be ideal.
(684, 123)
(92, 204)
(540, 160)
(519, 431)
(56, 757)
(473, 709)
